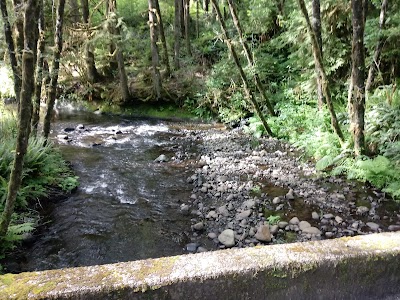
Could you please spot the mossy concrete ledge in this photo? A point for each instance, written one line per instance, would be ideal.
(362, 267)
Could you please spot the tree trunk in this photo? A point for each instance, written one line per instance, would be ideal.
(320, 68)
(11, 49)
(18, 29)
(74, 13)
(154, 51)
(379, 46)
(177, 34)
(165, 57)
(232, 50)
(91, 70)
(182, 17)
(51, 98)
(39, 69)
(111, 6)
(357, 99)
(119, 57)
(197, 19)
(249, 57)
(24, 115)
(187, 27)
(316, 26)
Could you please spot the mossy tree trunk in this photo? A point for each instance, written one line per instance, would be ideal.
(316, 26)
(18, 29)
(177, 33)
(321, 70)
(8, 35)
(91, 70)
(39, 69)
(357, 100)
(52, 89)
(24, 114)
(379, 46)
(165, 57)
(249, 58)
(187, 27)
(117, 46)
(157, 85)
(235, 57)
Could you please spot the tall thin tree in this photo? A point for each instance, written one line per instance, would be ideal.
(165, 57)
(177, 33)
(321, 70)
(24, 114)
(114, 27)
(157, 85)
(356, 103)
(11, 49)
(39, 68)
(317, 27)
(187, 26)
(91, 70)
(379, 46)
(249, 58)
(235, 57)
(52, 89)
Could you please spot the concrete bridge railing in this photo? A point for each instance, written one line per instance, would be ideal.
(362, 267)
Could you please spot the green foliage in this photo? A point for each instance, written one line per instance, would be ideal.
(255, 127)
(43, 166)
(273, 220)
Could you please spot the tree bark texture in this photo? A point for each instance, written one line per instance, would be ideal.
(235, 57)
(316, 26)
(357, 100)
(52, 91)
(118, 54)
(74, 13)
(165, 57)
(11, 49)
(91, 70)
(379, 46)
(157, 86)
(177, 33)
(111, 7)
(39, 69)
(187, 27)
(320, 68)
(18, 29)
(249, 57)
(24, 115)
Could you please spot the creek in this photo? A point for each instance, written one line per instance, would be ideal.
(131, 204)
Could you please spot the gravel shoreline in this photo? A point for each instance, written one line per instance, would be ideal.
(250, 191)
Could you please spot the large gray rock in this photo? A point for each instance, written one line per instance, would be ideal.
(243, 215)
(312, 230)
(263, 233)
(362, 210)
(161, 158)
(227, 238)
(303, 225)
(223, 211)
(198, 226)
(315, 215)
(294, 221)
(373, 226)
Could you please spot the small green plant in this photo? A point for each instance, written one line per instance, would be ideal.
(256, 190)
(273, 219)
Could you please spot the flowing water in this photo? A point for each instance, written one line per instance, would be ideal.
(127, 205)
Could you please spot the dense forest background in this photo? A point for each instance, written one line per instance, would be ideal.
(323, 75)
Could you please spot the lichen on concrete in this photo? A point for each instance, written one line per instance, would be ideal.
(359, 265)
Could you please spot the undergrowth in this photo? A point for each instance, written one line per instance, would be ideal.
(44, 168)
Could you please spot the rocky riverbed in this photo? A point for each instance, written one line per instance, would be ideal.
(250, 191)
